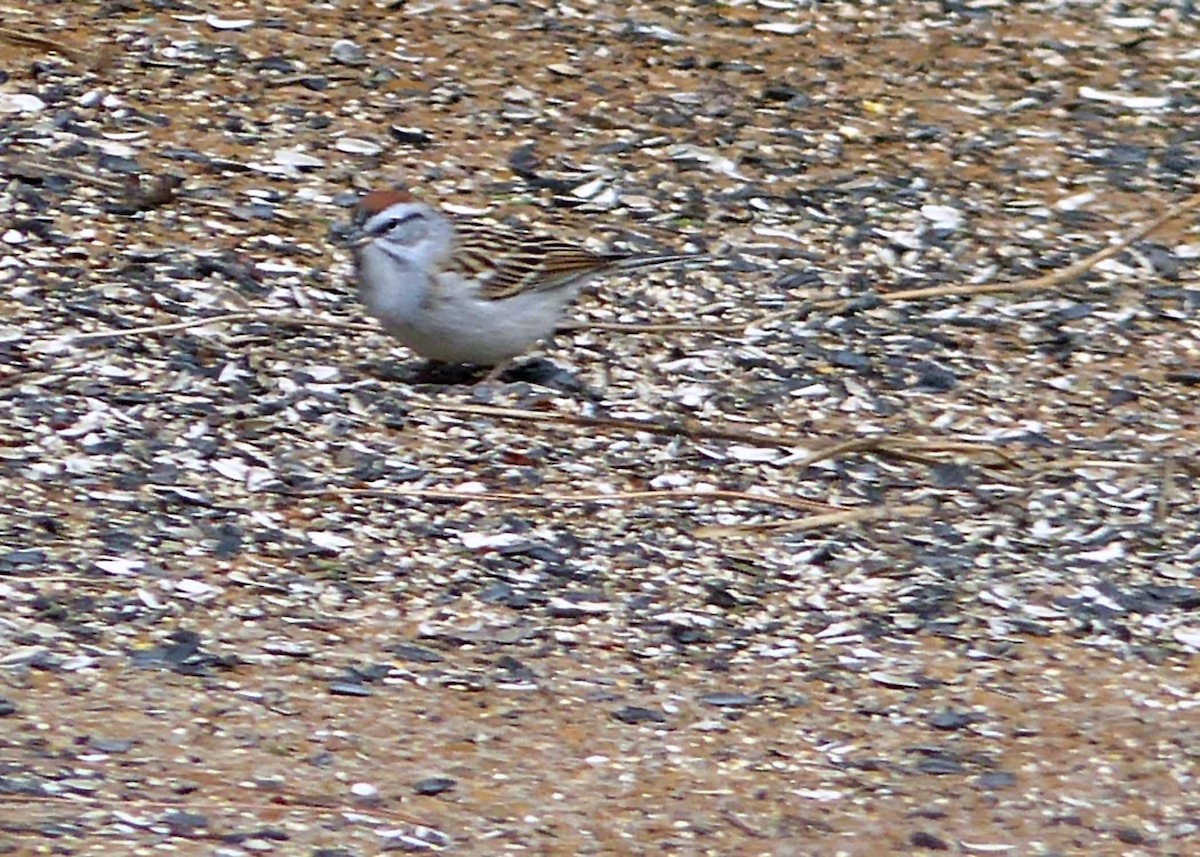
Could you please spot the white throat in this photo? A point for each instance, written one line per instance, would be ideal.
(392, 281)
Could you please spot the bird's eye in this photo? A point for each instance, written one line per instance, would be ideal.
(398, 221)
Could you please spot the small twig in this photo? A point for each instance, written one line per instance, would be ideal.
(685, 428)
(907, 448)
(294, 79)
(1056, 278)
(732, 818)
(1163, 506)
(38, 168)
(283, 319)
(900, 447)
(665, 495)
(816, 522)
(159, 328)
(29, 40)
(833, 450)
(299, 802)
(1077, 462)
(136, 193)
(666, 327)
(1047, 281)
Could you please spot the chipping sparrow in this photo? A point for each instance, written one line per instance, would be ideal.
(459, 291)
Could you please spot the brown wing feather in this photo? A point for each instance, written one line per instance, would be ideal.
(509, 263)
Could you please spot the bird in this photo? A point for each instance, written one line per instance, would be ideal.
(465, 291)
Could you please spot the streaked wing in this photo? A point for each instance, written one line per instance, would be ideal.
(508, 263)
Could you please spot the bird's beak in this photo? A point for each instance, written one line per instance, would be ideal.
(358, 239)
(351, 235)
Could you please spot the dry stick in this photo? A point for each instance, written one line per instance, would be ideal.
(690, 428)
(294, 79)
(35, 167)
(158, 328)
(520, 497)
(298, 802)
(858, 444)
(732, 818)
(686, 428)
(895, 447)
(29, 40)
(32, 167)
(1162, 507)
(906, 448)
(667, 327)
(814, 522)
(1079, 461)
(1054, 278)
(28, 167)
(245, 315)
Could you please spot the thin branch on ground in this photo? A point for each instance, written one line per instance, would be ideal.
(282, 801)
(687, 427)
(137, 191)
(860, 444)
(41, 43)
(1047, 281)
(302, 79)
(1166, 482)
(665, 327)
(900, 447)
(170, 327)
(32, 167)
(817, 522)
(1079, 462)
(551, 497)
(265, 316)
(733, 819)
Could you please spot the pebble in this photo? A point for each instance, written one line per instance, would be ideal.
(729, 700)
(434, 785)
(341, 688)
(1122, 99)
(411, 136)
(781, 28)
(348, 53)
(356, 146)
(923, 839)
(634, 714)
(1188, 635)
(297, 159)
(219, 23)
(943, 217)
(18, 102)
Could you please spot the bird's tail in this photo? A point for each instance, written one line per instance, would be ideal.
(635, 263)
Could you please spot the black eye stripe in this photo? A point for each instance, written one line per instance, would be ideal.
(392, 222)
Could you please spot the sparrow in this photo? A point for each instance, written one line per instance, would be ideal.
(456, 290)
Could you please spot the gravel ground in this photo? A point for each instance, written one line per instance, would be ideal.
(878, 536)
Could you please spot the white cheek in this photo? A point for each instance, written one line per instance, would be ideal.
(409, 234)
